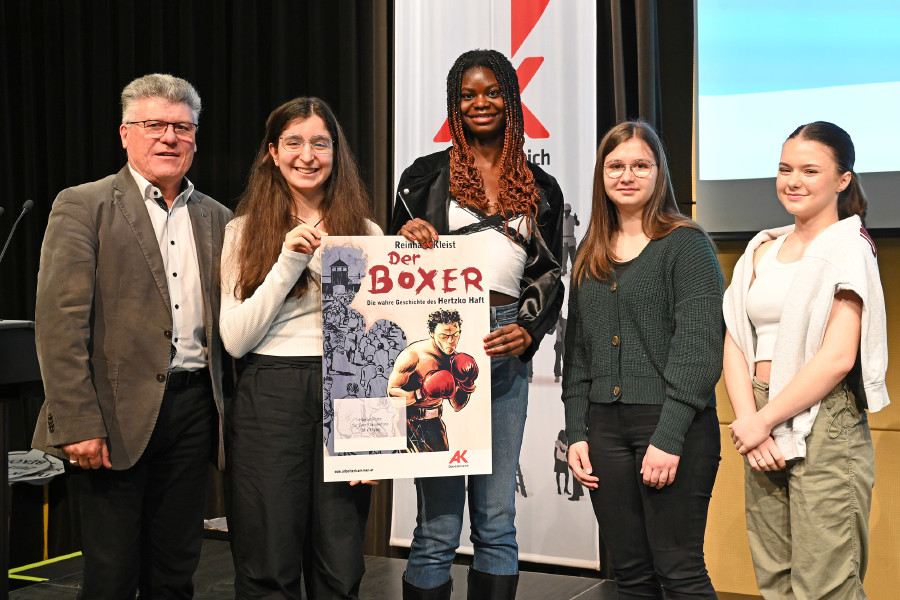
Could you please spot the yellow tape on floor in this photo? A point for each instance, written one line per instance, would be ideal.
(44, 562)
(27, 578)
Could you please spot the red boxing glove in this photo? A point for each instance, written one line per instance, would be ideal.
(436, 386)
(465, 371)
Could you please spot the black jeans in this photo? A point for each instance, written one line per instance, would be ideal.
(282, 519)
(142, 528)
(654, 537)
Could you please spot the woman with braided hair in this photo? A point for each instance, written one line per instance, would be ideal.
(483, 187)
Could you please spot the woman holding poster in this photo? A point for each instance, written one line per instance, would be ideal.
(484, 187)
(282, 518)
(805, 356)
(643, 355)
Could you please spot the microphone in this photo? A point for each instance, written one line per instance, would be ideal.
(1, 211)
(27, 206)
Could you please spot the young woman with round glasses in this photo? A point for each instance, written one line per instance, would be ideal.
(643, 354)
(282, 519)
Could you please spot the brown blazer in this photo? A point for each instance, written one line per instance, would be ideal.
(103, 322)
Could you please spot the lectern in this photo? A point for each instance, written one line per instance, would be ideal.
(18, 370)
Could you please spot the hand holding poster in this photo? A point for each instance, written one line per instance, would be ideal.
(407, 390)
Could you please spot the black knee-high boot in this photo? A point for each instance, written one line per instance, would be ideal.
(484, 586)
(441, 592)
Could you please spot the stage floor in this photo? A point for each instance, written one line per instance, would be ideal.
(215, 576)
(214, 580)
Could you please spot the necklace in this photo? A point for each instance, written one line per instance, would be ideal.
(319, 222)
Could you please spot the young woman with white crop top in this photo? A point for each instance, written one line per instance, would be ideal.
(805, 356)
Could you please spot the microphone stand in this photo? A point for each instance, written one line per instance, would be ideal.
(28, 205)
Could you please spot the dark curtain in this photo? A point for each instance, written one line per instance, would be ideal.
(645, 62)
(64, 64)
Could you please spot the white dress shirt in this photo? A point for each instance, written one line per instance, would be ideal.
(179, 253)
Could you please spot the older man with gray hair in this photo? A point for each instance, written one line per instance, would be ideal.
(127, 335)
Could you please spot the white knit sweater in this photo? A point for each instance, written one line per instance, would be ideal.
(268, 322)
(840, 258)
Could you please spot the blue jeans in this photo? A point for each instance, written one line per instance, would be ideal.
(492, 498)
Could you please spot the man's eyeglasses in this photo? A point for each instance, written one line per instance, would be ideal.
(639, 168)
(294, 144)
(157, 129)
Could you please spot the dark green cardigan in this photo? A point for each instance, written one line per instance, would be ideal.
(652, 336)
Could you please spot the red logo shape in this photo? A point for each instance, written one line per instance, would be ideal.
(443, 135)
(459, 457)
(525, 15)
(526, 71)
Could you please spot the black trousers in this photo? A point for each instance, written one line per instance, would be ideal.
(142, 527)
(654, 537)
(283, 520)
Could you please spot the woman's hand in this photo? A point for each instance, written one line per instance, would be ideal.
(420, 231)
(509, 340)
(766, 457)
(303, 238)
(658, 467)
(364, 482)
(749, 431)
(581, 465)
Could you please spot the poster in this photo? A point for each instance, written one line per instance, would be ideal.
(406, 381)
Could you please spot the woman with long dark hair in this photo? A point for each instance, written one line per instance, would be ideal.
(805, 356)
(484, 187)
(643, 354)
(282, 518)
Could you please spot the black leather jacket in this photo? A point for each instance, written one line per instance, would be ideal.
(424, 187)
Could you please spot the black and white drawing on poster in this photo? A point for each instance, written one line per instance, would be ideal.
(406, 382)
